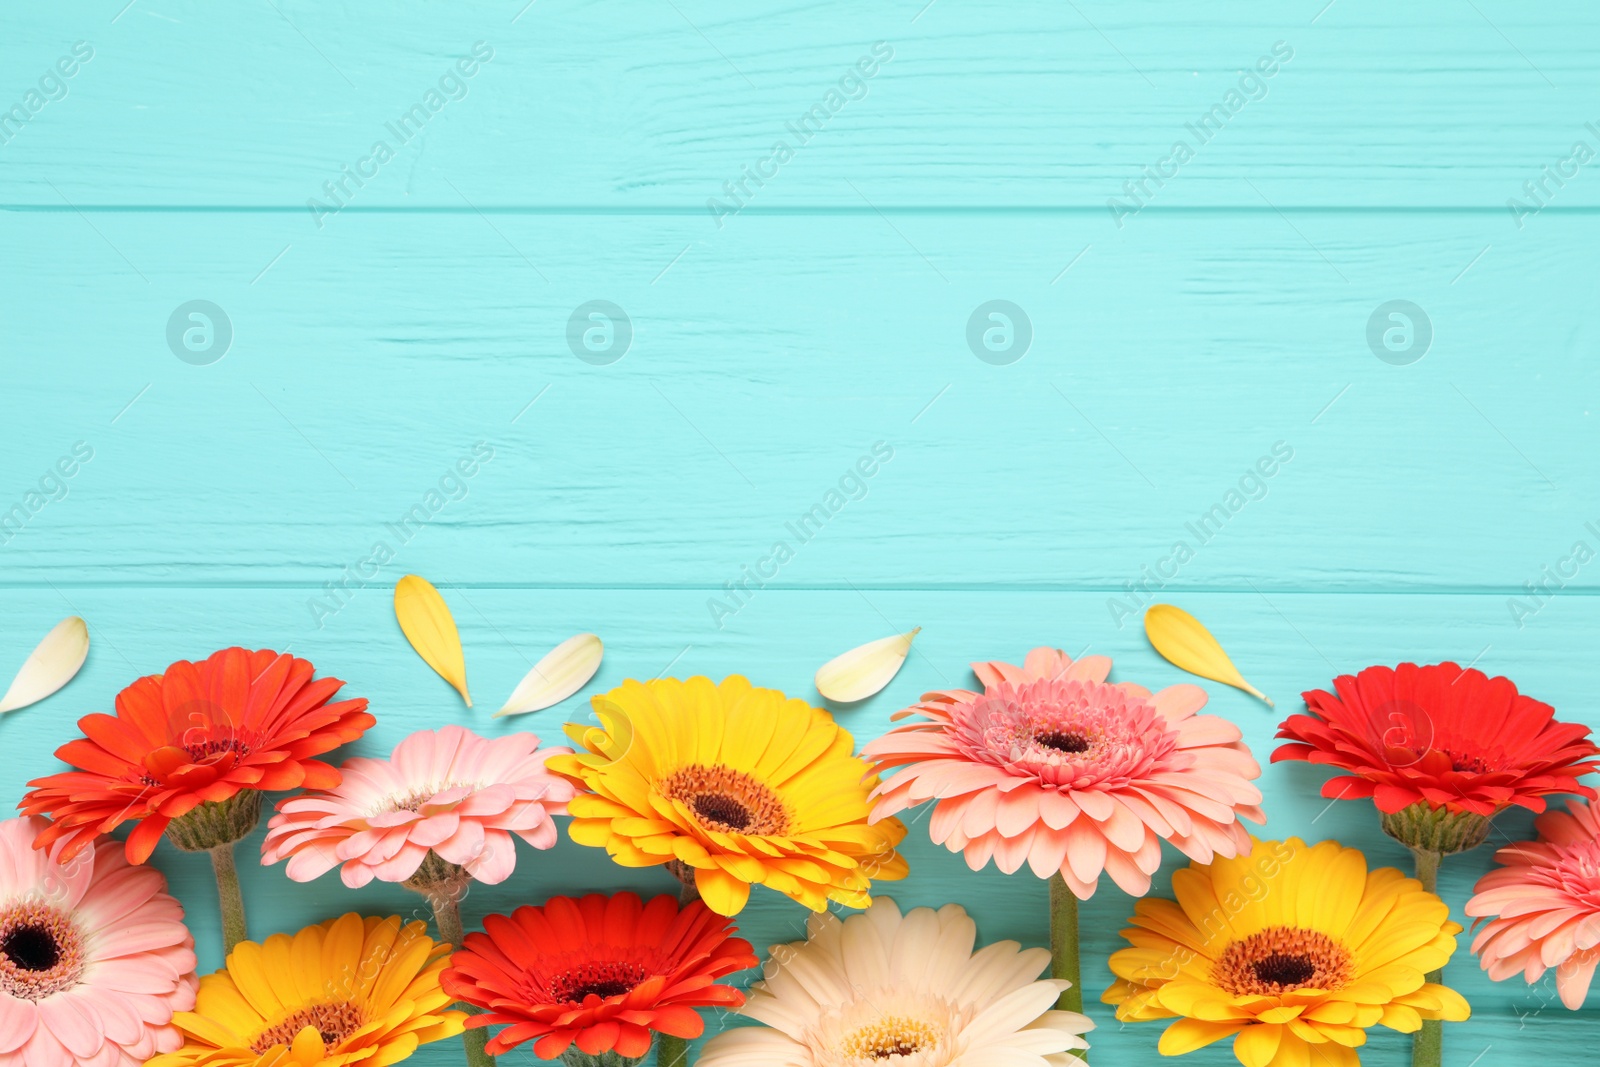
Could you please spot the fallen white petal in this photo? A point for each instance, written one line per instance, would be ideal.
(863, 671)
(567, 669)
(50, 666)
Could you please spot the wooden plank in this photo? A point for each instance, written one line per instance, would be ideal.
(1164, 371)
(1432, 105)
(1284, 643)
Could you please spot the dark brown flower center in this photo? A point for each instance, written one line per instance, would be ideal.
(727, 801)
(1284, 970)
(596, 980)
(1280, 959)
(41, 951)
(333, 1023)
(1062, 741)
(727, 811)
(31, 947)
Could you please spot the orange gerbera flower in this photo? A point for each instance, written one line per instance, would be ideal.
(227, 727)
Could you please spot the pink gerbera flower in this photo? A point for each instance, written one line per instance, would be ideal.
(1053, 766)
(1545, 903)
(94, 956)
(447, 793)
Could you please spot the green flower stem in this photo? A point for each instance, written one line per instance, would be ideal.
(674, 1051)
(1427, 1044)
(671, 1051)
(1064, 946)
(214, 827)
(573, 1057)
(229, 896)
(446, 902)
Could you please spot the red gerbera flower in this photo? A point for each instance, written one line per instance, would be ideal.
(1440, 736)
(200, 733)
(599, 972)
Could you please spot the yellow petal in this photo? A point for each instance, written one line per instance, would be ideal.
(863, 671)
(308, 1046)
(722, 892)
(1257, 1046)
(565, 670)
(1184, 642)
(1186, 1035)
(426, 621)
(49, 666)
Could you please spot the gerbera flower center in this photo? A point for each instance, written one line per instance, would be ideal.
(722, 809)
(1065, 733)
(1063, 741)
(727, 800)
(1280, 959)
(1474, 764)
(202, 751)
(889, 1037)
(228, 749)
(41, 951)
(333, 1022)
(31, 947)
(414, 800)
(598, 979)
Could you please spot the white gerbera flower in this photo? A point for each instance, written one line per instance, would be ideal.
(881, 989)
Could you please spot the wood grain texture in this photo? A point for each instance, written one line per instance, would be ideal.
(766, 362)
(657, 105)
(381, 351)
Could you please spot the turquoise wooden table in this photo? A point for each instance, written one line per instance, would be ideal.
(669, 268)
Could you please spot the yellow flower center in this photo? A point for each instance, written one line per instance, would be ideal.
(334, 1022)
(1280, 959)
(41, 951)
(727, 800)
(892, 1035)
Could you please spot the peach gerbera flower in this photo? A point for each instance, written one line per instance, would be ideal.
(1545, 905)
(1053, 766)
(449, 791)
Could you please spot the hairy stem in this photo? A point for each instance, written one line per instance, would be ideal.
(446, 902)
(674, 1051)
(1064, 946)
(1427, 1044)
(229, 896)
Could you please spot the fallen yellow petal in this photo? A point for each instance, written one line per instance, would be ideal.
(426, 621)
(1186, 644)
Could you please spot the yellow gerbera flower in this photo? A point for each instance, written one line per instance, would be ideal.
(346, 991)
(1288, 947)
(743, 785)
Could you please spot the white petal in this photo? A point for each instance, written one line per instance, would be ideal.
(1012, 1012)
(863, 671)
(565, 670)
(748, 1046)
(50, 666)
